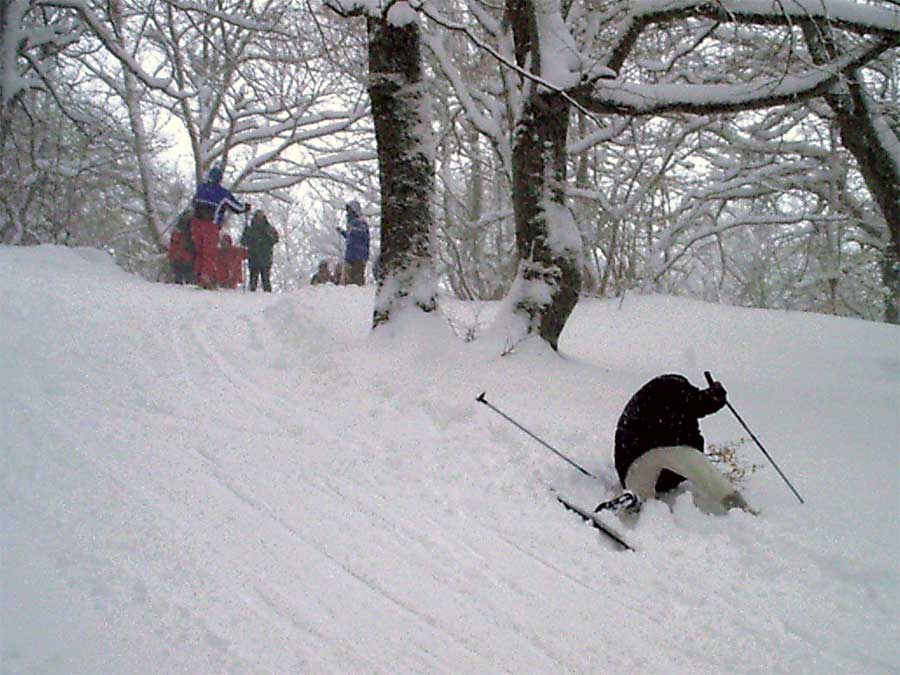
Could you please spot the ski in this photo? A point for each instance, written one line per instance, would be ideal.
(594, 521)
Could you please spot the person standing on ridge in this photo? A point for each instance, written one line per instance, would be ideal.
(181, 250)
(211, 201)
(356, 252)
(259, 237)
(322, 275)
(231, 260)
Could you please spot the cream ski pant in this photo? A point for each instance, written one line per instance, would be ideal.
(712, 491)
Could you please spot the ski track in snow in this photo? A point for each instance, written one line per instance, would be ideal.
(233, 482)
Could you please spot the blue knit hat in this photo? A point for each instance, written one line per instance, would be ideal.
(214, 175)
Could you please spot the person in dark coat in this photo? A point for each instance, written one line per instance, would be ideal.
(356, 252)
(322, 275)
(181, 259)
(659, 445)
(211, 201)
(259, 237)
(664, 412)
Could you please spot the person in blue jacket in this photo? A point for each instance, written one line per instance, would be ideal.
(356, 253)
(210, 202)
(212, 199)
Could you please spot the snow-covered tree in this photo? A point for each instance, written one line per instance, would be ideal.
(65, 165)
(250, 86)
(588, 146)
(869, 132)
(31, 39)
(693, 63)
(400, 110)
(548, 241)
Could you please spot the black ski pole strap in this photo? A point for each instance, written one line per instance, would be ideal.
(710, 380)
(481, 399)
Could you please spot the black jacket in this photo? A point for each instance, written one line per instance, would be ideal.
(664, 412)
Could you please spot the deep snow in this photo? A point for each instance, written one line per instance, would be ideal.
(208, 482)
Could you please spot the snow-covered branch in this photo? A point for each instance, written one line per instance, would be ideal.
(112, 45)
(616, 96)
(858, 17)
(25, 43)
(864, 19)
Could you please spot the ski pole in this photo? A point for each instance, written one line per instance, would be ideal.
(482, 399)
(245, 264)
(710, 380)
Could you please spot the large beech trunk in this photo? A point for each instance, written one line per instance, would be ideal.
(403, 133)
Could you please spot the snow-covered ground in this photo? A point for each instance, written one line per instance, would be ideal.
(211, 482)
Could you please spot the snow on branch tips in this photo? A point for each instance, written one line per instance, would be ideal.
(395, 12)
(611, 96)
(111, 44)
(854, 16)
(25, 43)
(560, 61)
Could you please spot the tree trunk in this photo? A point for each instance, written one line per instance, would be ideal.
(403, 136)
(476, 181)
(549, 268)
(152, 220)
(549, 244)
(868, 137)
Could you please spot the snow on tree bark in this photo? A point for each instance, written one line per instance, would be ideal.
(405, 158)
(549, 245)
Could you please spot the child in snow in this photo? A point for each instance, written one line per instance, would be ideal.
(322, 275)
(231, 258)
(181, 250)
(658, 444)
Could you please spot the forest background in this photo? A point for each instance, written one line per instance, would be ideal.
(743, 153)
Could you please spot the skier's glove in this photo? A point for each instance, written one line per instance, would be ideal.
(718, 393)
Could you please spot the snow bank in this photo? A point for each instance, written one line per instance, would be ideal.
(199, 481)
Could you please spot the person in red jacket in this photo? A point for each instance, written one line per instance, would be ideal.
(181, 251)
(210, 203)
(228, 271)
(238, 256)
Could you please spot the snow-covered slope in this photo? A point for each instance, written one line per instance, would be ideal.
(199, 482)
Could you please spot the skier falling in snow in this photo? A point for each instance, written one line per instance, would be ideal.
(658, 445)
